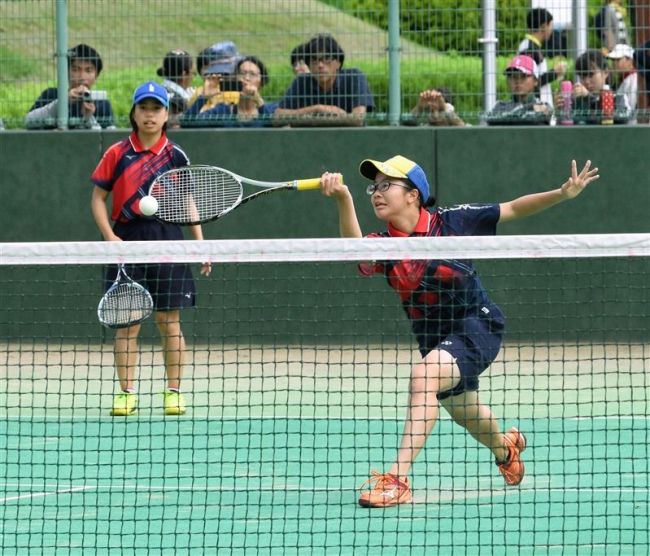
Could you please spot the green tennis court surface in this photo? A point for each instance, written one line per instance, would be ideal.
(269, 458)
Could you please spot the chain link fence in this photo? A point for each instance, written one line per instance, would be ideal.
(453, 49)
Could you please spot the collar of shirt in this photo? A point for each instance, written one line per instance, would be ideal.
(421, 228)
(155, 149)
(533, 39)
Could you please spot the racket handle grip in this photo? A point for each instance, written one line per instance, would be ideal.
(304, 185)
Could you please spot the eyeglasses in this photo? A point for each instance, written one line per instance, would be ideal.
(323, 59)
(383, 186)
(248, 74)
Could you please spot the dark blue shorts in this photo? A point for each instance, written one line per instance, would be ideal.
(475, 348)
(171, 285)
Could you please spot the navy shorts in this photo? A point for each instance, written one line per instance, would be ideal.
(171, 285)
(474, 349)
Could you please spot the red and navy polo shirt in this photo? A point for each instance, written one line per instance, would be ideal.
(441, 292)
(127, 169)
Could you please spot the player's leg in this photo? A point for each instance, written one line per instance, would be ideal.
(467, 410)
(173, 344)
(126, 354)
(435, 373)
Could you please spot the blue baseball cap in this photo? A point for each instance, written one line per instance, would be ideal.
(398, 167)
(223, 57)
(153, 90)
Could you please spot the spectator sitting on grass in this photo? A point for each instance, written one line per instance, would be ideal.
(86, 108)
(525, 107)
(329, 95)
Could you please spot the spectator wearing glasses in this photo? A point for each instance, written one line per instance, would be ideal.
(86, 108)
(178, 71)
(251, 110)
(329, 95)
(216, 65)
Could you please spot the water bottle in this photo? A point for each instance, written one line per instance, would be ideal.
(607, 106)
(566, 90)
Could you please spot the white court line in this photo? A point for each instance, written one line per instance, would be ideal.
(42, 494)
(204, 416)
(459, 493)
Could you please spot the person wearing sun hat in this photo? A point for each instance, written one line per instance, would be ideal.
(524, 107)
(457, 326)
(624, 70)
(127, 171)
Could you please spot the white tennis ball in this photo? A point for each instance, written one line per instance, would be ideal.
(148, 205)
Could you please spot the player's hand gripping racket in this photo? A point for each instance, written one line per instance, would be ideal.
(125, 303)
(196, 194)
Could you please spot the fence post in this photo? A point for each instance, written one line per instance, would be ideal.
(580, 19)
(394, 53)
(489, 41)
(62, 63)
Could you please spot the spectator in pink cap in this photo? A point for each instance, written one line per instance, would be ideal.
(524, 107)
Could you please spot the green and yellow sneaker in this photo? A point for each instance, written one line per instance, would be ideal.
(173, 403)
(125, 403)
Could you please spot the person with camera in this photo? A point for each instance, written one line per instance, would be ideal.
(250, 110)
(87, 108)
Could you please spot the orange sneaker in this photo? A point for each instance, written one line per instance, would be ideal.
(513, 468)
(385, 490)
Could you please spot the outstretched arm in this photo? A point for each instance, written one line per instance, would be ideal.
(332, 186)
(537, 202)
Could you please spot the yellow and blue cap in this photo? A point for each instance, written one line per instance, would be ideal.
(398, 167)
(153, 90)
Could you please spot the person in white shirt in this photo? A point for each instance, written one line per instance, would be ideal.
(540, 27)
(178, 72)
(622, 56)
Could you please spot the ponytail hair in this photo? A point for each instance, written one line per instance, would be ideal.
(430, 202)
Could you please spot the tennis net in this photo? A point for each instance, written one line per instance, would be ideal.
(296, 383)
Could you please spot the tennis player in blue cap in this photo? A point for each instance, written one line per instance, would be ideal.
(457, 327)
(126, 170)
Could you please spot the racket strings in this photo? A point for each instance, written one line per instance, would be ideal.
(128, 303)
(190, 195)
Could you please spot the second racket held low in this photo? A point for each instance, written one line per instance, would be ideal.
(197, 194)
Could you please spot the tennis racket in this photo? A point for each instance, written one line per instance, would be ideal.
(197, 194)
(125, 303)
